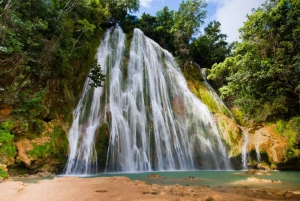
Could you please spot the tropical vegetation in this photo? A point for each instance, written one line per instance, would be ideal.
(47, 50)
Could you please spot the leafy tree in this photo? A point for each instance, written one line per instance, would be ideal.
(120, 8)
(84, 28)
(96, 75)
(263, 74)
(129, 23)
(211, 47)
(147, 23)
(187, 21)
(164, 23)
(41, 46)
(158, 27)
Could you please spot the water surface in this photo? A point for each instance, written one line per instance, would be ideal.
(289, 180)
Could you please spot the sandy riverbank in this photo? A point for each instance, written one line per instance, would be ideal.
(122, 188)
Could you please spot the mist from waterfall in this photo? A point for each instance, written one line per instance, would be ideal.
(155, 122)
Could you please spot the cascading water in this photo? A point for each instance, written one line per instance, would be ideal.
(86, 119)
(257, 144)
(155, 122)
(244, 149)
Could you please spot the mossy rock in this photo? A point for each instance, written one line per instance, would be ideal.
(54, 150)
(45, 152)
(3, 172)
(7, 147)
(102, 143)
(195, 81)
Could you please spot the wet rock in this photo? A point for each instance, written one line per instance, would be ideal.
(288, 195)
(261, 180)
(45, 174)
(30, 176)
(189, 178)
(154, 176)
(257, 172)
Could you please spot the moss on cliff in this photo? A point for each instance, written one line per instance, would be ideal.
(47, 152)
(7, 147)
(3, 173)
(290, 130)
(57, 146)
(197, 86)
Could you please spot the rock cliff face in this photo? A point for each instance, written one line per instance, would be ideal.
(24, 151)
(47, 152)
(269, 145)
(266, 141)
(265, 148)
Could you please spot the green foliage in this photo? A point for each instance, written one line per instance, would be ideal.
(57, 147)
(240, 116)
(232, 139)
(147, 24)
(40, 40)
(32, 104)
(293, 131)
(280, 127)
(202, 91)
(96, 75)
(262, 75)
(187, 21)
(129, 23)
(211, 47)
(189, 17)
(290, 130)
(3, 173)
(164, 23)
(120, 8)
(43, 47)
(174, 30)
(158, 27)
(7, 147)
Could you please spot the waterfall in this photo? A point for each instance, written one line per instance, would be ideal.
(244, 149)
(257, 144)
(155, 122)
(86, 119)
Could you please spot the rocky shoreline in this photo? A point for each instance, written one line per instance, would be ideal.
(122, 188)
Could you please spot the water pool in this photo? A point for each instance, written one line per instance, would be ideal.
(289, 180)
